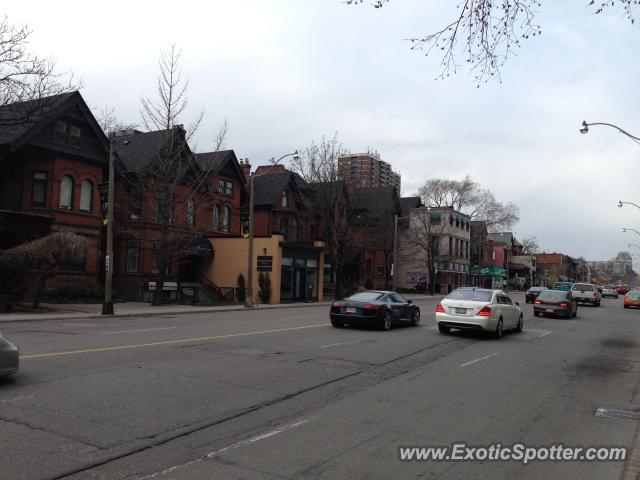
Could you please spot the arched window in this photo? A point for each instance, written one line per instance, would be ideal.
(191, 213)
(66, 192)
(216, 217)
(284, 227)
(226, 219)
(294, 229)
(285, 199)
(86, 195)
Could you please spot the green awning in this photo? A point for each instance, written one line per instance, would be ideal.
(488, 271)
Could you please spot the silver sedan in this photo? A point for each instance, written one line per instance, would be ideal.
(479, 309)
(9, 357)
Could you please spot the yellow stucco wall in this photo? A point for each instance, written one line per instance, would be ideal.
(230, 259)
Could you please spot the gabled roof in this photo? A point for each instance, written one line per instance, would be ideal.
(215, 161)
(376, 199)
(407, 203)
(269, 187)
(21, 121)
(138, 150)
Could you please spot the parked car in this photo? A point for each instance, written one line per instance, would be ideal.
(609, 291)
(533, 293)
(563, 286)
(375, 308)
(555, 302)
(600, 288)
(632, 299)
(479, 309)
(9, 357)
(586, 293)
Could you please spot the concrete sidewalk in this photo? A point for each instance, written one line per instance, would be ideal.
(139, 309)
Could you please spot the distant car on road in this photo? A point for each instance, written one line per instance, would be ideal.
(9, 357)
(632, 299)
(622, 289)
(563, 286)
(555, 302)
(374, 308)
(586, 293)
(533, 293)
(609, 291)
(479, 309)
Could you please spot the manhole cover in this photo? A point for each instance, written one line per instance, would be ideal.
(617, 414)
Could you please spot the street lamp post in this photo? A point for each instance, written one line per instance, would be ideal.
(107, 306)
(584, 128)
(248, 301)
(395, 249)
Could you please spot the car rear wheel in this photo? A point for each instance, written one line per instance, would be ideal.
(337, 323)
(415, 320)
(626, 306)
(520, 326)
(498, 333)
(443, 329)
(536, 314)
(386, 321)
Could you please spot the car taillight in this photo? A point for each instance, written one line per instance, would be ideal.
(337, 304)
(370, 306)
(564, 304)
(484, 312)
(538, 302)
(439, 308)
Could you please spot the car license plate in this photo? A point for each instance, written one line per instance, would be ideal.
(350, 310)
(549, 309)
(461, 310)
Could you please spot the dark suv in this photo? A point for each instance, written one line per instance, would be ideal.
(533, 293)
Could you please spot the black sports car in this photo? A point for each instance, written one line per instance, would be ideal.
(377, 308)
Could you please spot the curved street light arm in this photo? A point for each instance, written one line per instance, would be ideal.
(627, 229)
(584, 128)
(621, 203)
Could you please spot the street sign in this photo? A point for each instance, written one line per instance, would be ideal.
(265, 263)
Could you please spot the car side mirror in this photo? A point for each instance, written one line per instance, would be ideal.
(518, 304)
(409, 302)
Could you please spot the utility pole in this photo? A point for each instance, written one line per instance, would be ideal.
(395, 251)
(107, 306)
(248, 301)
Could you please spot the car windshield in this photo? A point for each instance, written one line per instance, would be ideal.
(634, 294)
(471, 295)
(365, 296)
(553, 295)
(583, 287)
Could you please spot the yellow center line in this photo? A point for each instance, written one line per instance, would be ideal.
(166, 342)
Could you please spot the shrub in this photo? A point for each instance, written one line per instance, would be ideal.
(264, 282)
(242, 290)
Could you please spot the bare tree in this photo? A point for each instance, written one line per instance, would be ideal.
(484, 33)
(44, 255)
(173, 179)
(110, 123)
(26, 78)
(530, 245)
(333, 202)
(467, 196)
(424, 241)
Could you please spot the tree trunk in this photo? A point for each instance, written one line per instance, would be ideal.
(42, 282)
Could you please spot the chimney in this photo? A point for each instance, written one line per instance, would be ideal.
(246, 169)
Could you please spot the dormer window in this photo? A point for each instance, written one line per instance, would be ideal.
(285, 199)
(61, 131)
(74, 135)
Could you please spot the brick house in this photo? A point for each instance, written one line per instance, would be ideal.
(53, 156)
(206, 203)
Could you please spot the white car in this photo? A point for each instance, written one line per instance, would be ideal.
(479, 309)
(586, 293)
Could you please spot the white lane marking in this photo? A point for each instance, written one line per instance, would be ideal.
(297, 316)
(544, 334)
(257, 438)
(332, 345)
(478, 360)
(136, 331)
(225, 449)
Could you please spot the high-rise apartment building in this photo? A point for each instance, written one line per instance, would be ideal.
(368, 170)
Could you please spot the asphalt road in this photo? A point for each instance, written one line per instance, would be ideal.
(272, 394)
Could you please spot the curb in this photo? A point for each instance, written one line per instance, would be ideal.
(235, 308)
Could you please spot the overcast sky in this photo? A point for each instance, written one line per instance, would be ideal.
(285, 72)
